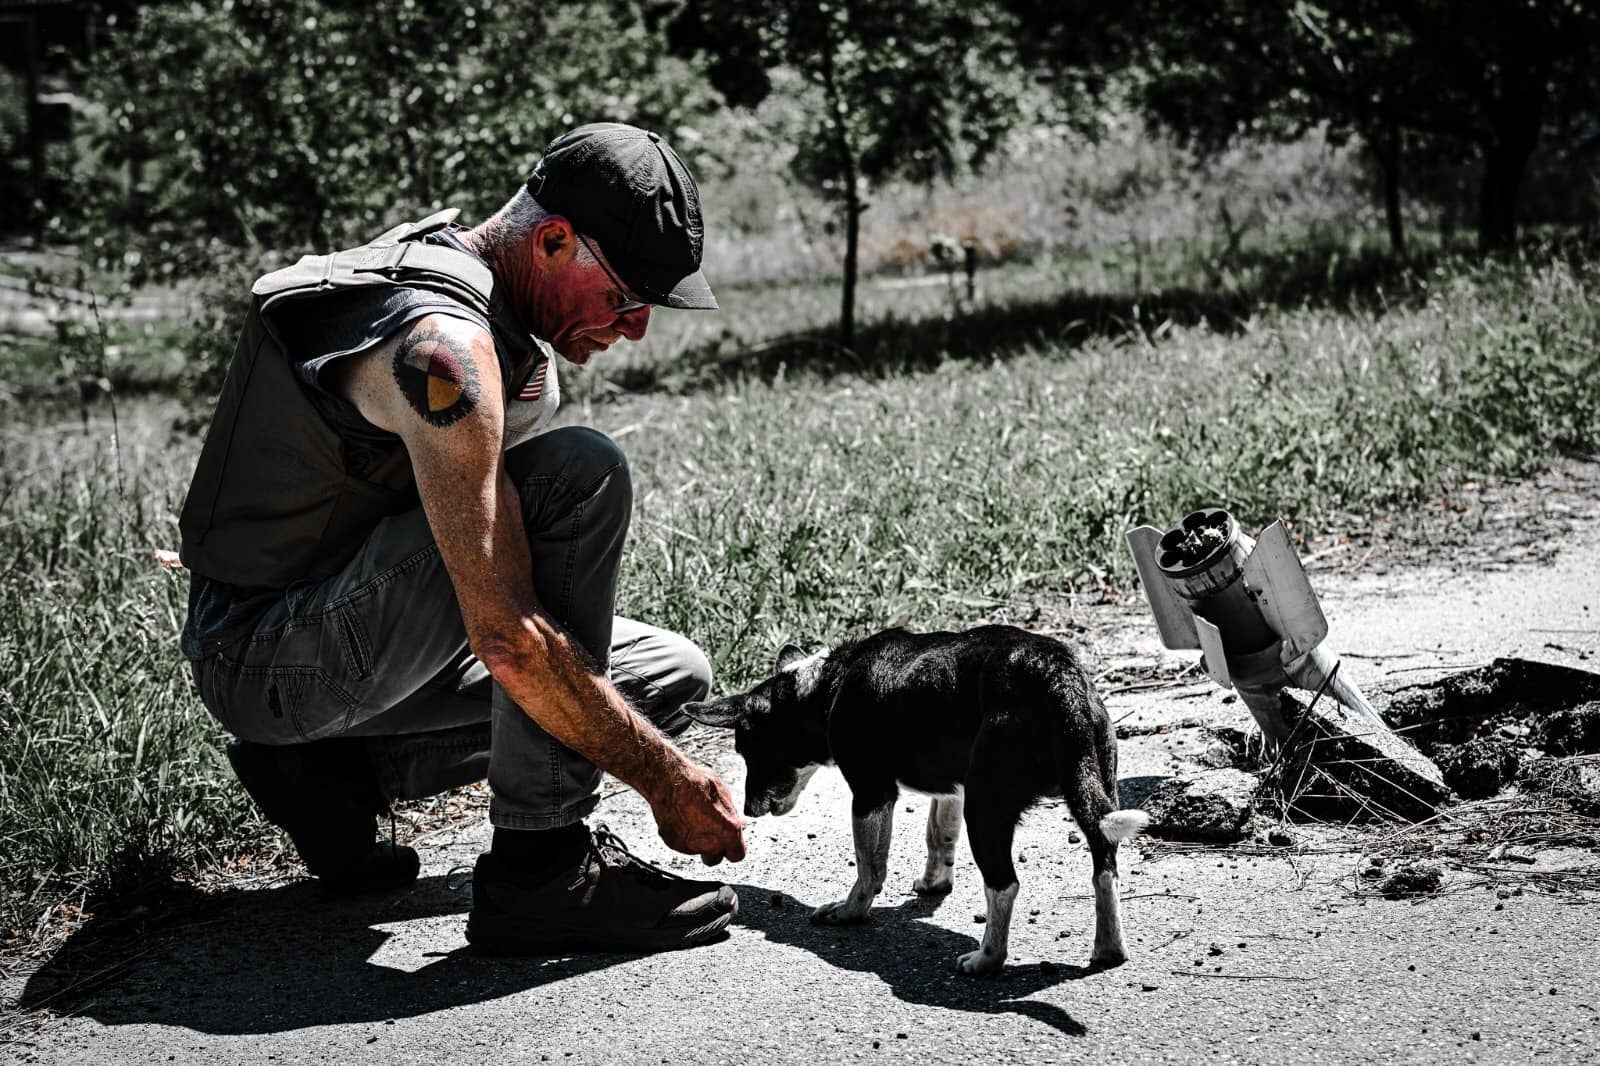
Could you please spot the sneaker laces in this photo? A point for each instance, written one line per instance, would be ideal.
(609, 850)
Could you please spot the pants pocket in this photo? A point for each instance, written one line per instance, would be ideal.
(276, 704)
(344, 621)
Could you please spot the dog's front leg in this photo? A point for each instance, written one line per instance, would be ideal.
(872, 831)
(944, 829)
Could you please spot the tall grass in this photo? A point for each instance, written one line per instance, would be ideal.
(111, 774)
(982, 471)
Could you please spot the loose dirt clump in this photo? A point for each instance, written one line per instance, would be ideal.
(1480, 767)
(1573, 731)
(1573, 781)
(1508, 695)
(1418, 878)
(1240, 749)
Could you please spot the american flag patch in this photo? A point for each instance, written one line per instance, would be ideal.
(530, 392)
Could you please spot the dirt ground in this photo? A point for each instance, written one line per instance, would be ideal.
(1243, 953)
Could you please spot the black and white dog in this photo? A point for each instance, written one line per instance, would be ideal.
(987, 721)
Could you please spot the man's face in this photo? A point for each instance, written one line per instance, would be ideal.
(584, 307)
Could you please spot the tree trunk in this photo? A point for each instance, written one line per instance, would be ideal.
(852, 234)
(1503, 168)
(1388, 149)
(840, 118)
(1515, 115)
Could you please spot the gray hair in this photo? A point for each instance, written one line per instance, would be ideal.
(511, 225)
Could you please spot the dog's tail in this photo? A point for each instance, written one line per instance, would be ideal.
(1124, 824)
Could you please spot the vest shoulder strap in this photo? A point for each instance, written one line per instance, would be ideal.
(394, 258)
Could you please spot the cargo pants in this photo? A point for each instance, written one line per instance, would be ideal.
(379, 651)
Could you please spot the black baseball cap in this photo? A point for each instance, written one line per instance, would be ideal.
(627, 190)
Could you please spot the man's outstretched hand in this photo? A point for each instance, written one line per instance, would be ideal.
(695, 815)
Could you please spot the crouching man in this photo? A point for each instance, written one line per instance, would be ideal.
(399, 589)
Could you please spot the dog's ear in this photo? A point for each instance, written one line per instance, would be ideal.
(724, 714)
(788, 655)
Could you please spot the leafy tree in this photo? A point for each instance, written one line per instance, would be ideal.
(1433, 77)
(911, 89)
(306, 123)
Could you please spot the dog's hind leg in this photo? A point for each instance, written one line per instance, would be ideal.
(872, 829)
(993, 806)
(944, 829)
(1104, 829)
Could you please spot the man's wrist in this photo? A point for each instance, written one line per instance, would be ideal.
(665, 774)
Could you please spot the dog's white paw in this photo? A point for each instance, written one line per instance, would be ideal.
(844, 912)
(979, 964)
(1106, 958)
(932, 886)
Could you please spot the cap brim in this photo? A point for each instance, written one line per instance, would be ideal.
(692, 293)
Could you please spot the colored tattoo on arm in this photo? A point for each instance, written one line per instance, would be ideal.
(437, 376)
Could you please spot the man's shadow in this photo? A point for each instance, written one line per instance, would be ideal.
(275, 960)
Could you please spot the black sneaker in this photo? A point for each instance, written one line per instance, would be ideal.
(326, 796)
(612, 900)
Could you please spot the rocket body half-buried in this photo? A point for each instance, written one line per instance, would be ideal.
(1248, 606)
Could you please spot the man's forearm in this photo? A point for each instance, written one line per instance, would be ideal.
(552, 679)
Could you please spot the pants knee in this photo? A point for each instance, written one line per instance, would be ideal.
(692, 680)
(566, 469)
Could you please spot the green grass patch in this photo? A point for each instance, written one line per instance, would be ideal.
(977, 469)
(111, 774)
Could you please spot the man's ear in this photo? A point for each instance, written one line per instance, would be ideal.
(554, 239)
(723, 714)
(788, 656)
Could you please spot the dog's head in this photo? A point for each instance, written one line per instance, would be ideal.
(780, 729)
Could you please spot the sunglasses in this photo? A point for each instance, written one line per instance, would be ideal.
(627, 306)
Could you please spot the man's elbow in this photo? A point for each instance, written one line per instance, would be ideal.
(510, 651)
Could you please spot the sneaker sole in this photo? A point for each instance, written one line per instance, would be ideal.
(485, 939)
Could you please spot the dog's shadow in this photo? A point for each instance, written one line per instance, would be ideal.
(914, 957)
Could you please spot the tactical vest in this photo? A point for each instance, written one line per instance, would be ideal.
(271, 502)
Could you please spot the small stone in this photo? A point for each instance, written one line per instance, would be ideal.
(980, 918)
(1418, 878)
(1074, 838)
(1477, 1035)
